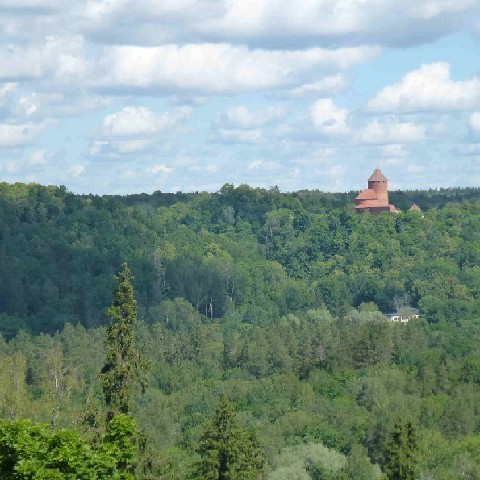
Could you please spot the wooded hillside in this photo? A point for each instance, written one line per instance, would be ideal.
(271, 299)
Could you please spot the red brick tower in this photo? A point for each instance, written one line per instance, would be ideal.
(379, 184)
(374, 199)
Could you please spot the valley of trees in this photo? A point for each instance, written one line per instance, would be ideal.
(257, 319)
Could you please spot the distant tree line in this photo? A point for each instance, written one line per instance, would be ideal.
(260, 253)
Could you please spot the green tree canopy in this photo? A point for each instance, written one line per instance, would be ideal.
(30, 451)
(227, 451)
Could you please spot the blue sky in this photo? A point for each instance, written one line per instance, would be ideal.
(123, 96)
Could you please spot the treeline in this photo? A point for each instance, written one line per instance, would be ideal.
(260, 253)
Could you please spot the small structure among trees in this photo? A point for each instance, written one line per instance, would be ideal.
(403, 315)
(374, 199)
(414, 208)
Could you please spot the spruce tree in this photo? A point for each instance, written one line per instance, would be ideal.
(229, 452)
(122, 372)
(401, 451)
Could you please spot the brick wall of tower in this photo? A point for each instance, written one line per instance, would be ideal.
(381, 189)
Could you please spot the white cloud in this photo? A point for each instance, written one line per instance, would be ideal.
(441, 125)
(159, 169)
(217, 68)
(393, 155)
(212, 168)
(100, 11)
(134, 121)
(390, 131)
(27, 104)
(20, 134)
(5, 90)
(428, 88)
(105, 14)
(393, 161)
(135, 130)
(243, 117)
(278, 23)
(38, 158)
(393, 150)
(320, 156)
(98, 147)
(115, 147)
(336, 174)
(267, 23)
(209, 168)
(254, 165)
(350, 21)
(68, 103)
(240, 136)
(474, 122)
(258, 18)
(10, 167)
(23, 101)
(185, 161)
(415, 168)
(328, 118)
(469, 148)
(67, 58)
(129, 175)
(282, 130)
(260, 167)
(62, 58)
(433, 8)
(74, 105)
(336, 170)
(131, 146)
(76, 170)
(131, 121)
(328, 85)
(28, 4)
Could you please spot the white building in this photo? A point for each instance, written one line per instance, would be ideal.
(402, 317)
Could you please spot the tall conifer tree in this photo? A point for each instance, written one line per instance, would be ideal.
(401, 452)
(229, 452)
(122, 372)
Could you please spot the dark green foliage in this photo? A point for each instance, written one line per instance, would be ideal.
(227, 451)
(401, 452)
(262, 252)
(10, 325)
(123, 369)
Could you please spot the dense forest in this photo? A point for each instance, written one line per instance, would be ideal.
(271, 301)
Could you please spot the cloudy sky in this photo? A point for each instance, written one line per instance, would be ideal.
(123, 96)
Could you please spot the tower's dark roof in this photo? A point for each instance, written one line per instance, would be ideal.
(377, 176)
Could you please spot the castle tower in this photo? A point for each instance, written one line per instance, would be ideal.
(374, 199)
(379, 184)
